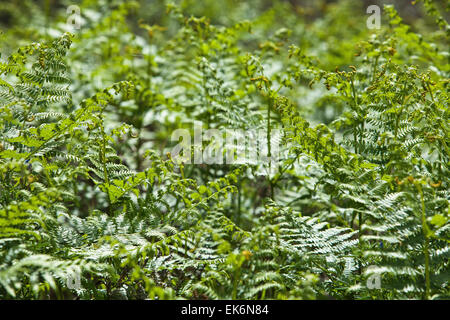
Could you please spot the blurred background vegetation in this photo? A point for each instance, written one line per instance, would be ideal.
(329, 30)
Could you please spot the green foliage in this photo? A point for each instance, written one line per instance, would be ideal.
(94, 206)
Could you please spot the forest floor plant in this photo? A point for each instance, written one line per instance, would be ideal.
(95, 203)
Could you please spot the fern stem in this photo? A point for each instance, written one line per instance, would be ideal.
(269, 132)
(238, 218)
(103, 160)
(397, 120)
(426, 244)
(237, 274)
(269, 151)
(355, 101)
(375, 68)
(103, 157)
(359, 239)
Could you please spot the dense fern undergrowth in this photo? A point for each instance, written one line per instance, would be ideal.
(94, 204)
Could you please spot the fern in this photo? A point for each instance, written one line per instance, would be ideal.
(352, 186)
